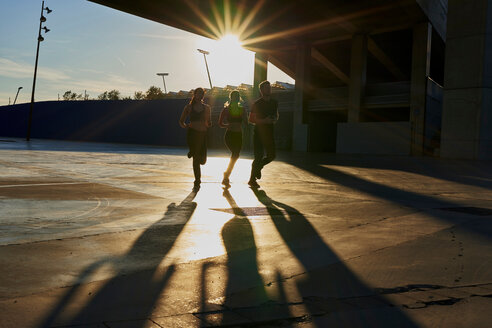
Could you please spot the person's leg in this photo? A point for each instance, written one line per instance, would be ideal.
(198, 174)
(269, 144)
(228, 139)
(258, 152)
(189, 142)
(198, 152)
(234, 141)
(202, 147)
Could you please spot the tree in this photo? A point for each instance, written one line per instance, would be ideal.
(69, 95)
(154, 93)
(110, 95)
(103, 96)
(139, 95)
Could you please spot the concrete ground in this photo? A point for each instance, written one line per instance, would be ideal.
(101, 235)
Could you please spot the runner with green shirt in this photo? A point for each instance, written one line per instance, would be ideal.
(232, 117)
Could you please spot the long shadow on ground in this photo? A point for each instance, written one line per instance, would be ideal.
(434, 206)
(328, 287)
(133, 295)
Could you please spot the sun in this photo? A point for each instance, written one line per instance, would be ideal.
(230, 41)
(229, 62)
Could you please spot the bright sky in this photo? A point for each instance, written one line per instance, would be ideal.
(96, 48)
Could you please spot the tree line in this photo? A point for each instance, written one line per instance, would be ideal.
(152, 93)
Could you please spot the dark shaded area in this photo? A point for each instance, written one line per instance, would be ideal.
(398, 114)
(242, 266)
(129, 295)
(322, 135)
(469, 172)
(481, 211)
(438, 47)
(146, 122)
(124, 121)
(397, 45)
(400, 196)
(433, 117)
(327, 282)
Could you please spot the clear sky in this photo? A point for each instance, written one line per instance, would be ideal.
(95, 48)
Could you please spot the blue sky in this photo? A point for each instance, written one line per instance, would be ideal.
(95, 48)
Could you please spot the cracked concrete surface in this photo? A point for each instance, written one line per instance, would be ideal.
(101, 235)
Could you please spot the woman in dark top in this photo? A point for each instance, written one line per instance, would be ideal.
(232, 118)
(196, 137)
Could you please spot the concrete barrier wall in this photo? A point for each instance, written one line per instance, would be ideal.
(150, 122)
(374, 138)
(132, 121)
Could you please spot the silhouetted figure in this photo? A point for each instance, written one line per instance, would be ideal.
(232, 117)
(264, 115)
(199, 121)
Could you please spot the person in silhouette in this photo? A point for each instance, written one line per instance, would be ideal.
(232, 117)
(264, 114)
(199, 115)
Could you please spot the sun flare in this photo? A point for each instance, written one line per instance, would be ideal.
(224, 56)
(230, 41)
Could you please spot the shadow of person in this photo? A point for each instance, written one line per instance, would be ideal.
(137, 281)
(245, 286)
(327, 283)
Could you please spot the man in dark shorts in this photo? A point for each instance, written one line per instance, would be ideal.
(264, 114)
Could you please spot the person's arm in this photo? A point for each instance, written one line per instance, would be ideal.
(184, 114)
(256, 120)
(208, 116)
(275, 118)
(252, 115)
(221, 118)
(244, 121)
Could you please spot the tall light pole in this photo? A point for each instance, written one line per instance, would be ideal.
(18, 89)
(42, 19)
(163, 80)
(204, 52)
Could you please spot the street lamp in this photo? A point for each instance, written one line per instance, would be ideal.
(204, 52)
(42, 19)
(18, 89)
(163, 80)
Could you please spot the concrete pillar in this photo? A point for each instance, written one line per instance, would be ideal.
(467, 106)
(358, 72)
(260, 71)
(421, 54)
(303, 73)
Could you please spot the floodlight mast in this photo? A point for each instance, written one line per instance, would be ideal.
(163, 80)
(204, 52)
(18, 89)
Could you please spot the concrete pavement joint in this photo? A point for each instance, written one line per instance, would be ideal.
(373, 303)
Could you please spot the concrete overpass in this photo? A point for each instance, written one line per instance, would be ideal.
(369, 75)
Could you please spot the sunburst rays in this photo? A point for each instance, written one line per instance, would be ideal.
(232, 18)
(245, 19)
